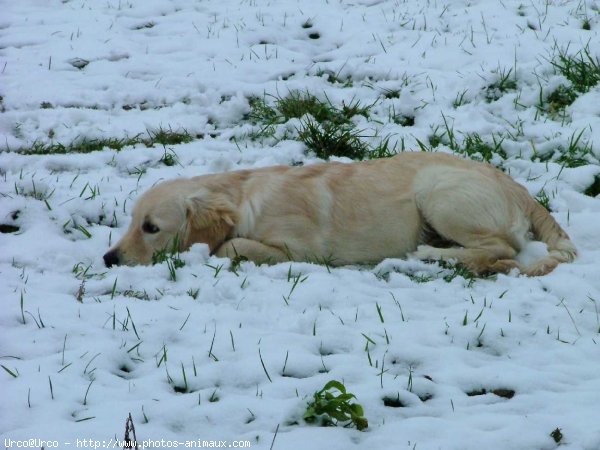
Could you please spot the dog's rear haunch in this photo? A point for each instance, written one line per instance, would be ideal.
(426, 205)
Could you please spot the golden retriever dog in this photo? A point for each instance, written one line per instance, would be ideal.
(430, 206)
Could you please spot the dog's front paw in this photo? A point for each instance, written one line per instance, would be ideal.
(427, 252)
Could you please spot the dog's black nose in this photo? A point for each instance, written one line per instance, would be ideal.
(111, 258)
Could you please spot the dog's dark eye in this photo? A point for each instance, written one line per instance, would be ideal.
(148, 227)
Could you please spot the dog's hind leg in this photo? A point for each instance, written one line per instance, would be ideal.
(254, 251)
(479, 257)
(473, 211)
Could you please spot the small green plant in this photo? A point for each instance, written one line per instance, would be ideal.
(556, 435)
(586, 24)
(169, 158)
(330, 409)
(193, 293)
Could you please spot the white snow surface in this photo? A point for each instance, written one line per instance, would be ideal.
(73, 370)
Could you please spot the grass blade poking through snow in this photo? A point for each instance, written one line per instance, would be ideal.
(263, 365)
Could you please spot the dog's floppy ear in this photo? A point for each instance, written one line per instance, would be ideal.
(208, 210)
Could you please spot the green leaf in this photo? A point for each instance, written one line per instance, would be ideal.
(335, 384)
(357, 409)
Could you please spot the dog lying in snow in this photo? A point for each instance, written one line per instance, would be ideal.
(430, 206)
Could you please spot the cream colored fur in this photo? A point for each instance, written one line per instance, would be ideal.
(425, 205)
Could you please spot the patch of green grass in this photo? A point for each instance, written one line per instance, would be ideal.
(78, 146)
(504, 84)
(328, 139)
(144, 25)
(421, 278)
(326, 129)
(543, 199)
(171, 257)
(261, 111)
(140, 295)
(85, 145)
(559, 99)
(476, 148)
(39, 193)
(457, 270)
(577, 153)
(404, 120)
(447, 273)
(163, 136)
(334, 78)
(435, 140)
(298, 104)
(385, 150)
(581, 69)
(330, 409)
(472, 145)
(390, 93)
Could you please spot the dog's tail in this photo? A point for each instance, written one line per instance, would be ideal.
(545, 229)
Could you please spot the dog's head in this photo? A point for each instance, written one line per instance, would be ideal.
(172, 216)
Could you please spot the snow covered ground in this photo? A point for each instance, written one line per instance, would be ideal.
(497, 363)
